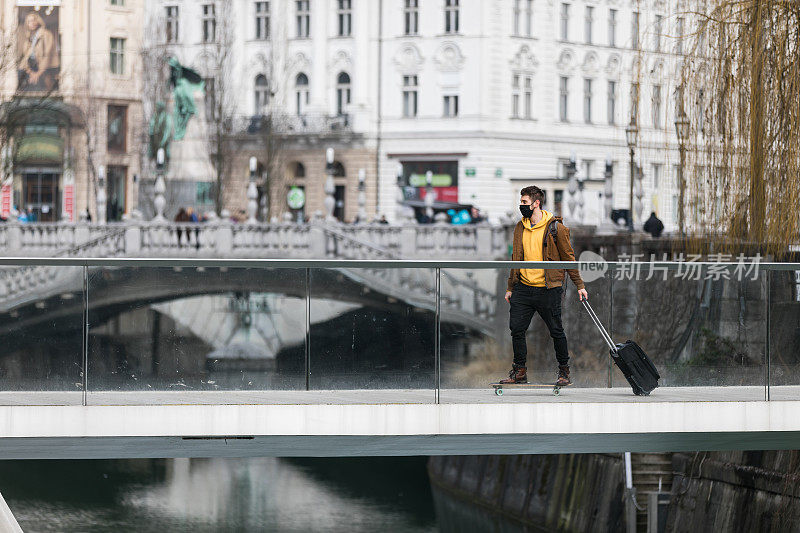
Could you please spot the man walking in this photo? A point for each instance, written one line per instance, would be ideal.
(539, 236)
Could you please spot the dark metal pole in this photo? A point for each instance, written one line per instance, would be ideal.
(308, 329)
(682, 187)
(437, 336)
(630, 213)
(85, 351)
(768, 355)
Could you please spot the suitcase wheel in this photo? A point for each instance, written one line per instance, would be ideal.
(640, 392)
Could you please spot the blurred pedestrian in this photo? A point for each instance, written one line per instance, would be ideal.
(654, 226)
(181, 218)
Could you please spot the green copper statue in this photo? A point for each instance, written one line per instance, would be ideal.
(185, 82)
(166, 127)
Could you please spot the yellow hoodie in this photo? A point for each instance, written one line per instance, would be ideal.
(532, 239)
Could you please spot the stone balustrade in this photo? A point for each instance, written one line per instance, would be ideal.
(224, 239)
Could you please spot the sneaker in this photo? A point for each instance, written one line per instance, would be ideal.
(518, 374)
(563, 376)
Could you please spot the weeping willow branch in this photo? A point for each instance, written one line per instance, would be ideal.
(741, 90)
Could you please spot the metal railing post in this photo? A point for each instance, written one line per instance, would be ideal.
(767, 340)
(437, 337)
(85, 343)
(308, 329)
(611, 326)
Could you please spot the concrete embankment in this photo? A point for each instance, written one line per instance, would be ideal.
(579, 492)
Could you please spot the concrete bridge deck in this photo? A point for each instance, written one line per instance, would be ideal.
(396, 422)
(399, 396)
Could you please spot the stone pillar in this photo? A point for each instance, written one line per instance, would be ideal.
(133, 239)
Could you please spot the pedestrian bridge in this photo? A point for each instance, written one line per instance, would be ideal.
(337, 423)
(352, 378)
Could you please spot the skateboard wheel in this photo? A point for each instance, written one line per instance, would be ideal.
(498, 391)
(556, 391)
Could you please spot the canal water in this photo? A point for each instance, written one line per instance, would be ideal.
(210, 495)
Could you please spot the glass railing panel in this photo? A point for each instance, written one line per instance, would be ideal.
(477, 347)
(704, 329)
(41, 335)
(196, 335)
(373, 334)
(784, 334)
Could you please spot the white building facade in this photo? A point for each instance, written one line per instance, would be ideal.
(488, 95)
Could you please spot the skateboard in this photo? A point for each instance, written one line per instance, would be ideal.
(498, 387)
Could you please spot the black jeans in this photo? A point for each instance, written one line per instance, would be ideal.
(527, 300)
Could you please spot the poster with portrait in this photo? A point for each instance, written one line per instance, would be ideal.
(38, 51)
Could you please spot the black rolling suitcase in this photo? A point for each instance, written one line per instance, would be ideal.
(629, 357)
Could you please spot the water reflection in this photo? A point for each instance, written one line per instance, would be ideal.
(205, 495)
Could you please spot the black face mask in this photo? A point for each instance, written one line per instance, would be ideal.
(526, 210)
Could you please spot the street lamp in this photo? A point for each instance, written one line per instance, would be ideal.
(330, 188)
(572, 184)
(608, 189)
(362, 195)
(682, 131)
(101, 194)
(159, 202)
(399, 196)
(430, 195)
(252, 193)
(631, 132)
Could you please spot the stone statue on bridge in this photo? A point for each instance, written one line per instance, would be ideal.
(166, 127)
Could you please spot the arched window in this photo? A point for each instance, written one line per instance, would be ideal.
(261, 93)
(342, 93)
(338, 170)
(301, 92)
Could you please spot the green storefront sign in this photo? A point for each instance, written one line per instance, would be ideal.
(437, 180)
(40, 149)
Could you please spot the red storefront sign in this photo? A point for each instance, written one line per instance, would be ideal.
(69, 206)
(5, 201)
(443, 194)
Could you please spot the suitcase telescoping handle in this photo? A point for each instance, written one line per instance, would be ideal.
(603, 332)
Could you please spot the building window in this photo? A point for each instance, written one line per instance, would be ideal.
(635, 103)
(117, 2)
(409, 96)
(209, 23)
(342, 93)
(587, 101)
(587, 169)
(301, 93)
(635, 30)
(451, 16)
(522, 96)
(261, 93)
(657, 106)
(303, 9)
(563, 94)
(117, 126)
(611, 106)
(587, 24)
(523, 17)
(345, 17)
(564, 22)
(658, 31)
(679, 45)
(117, 56)
(262, 20)
(451, 105)
(612, 27)
(656, 176)
(411, 13)
(528, 97)
(172, 18)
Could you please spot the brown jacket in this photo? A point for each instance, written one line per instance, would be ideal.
(551, 251)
